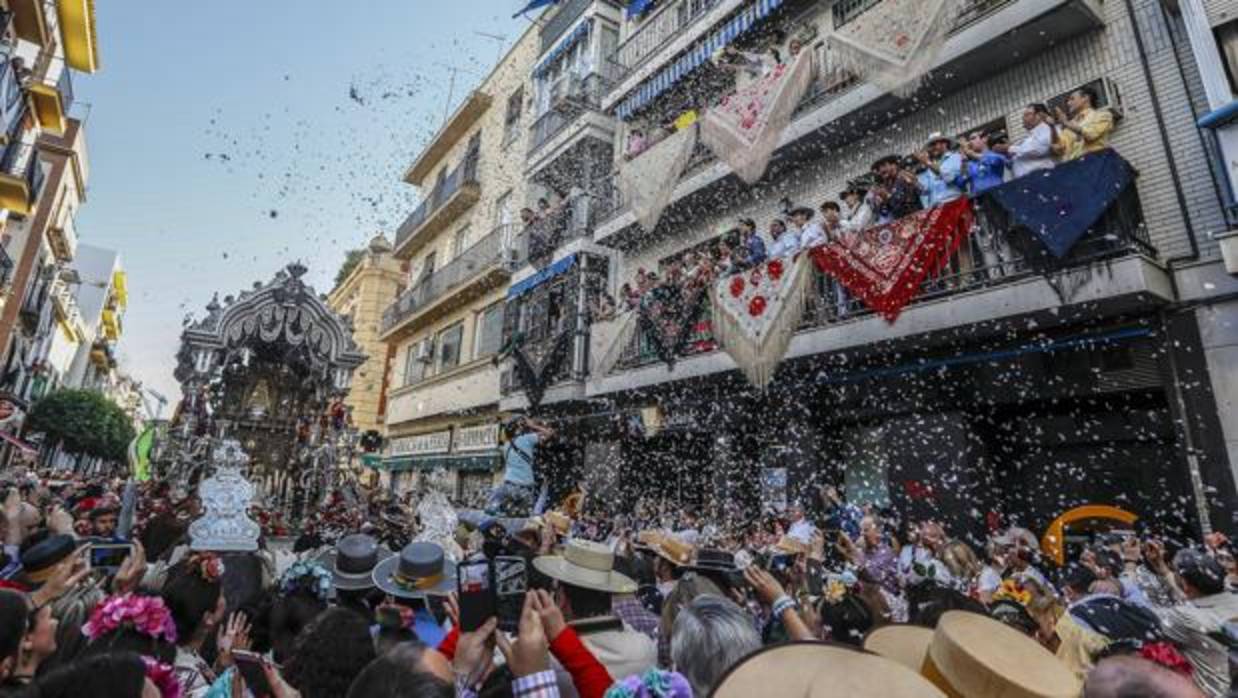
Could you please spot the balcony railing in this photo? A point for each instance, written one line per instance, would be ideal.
(571, 97)
(464, 174)
(490, 252)
(539, 241)
(655, 32)
(980, 263)
(7, 265)
(562, 21)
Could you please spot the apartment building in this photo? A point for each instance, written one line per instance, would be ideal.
(997, 395)
(361, 299)
(459, 246)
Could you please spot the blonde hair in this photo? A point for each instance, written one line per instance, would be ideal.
(960, 560)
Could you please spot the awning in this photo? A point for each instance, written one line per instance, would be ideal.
(695, 56)
(18, 443)
(580, 32)
(533, 5)
(471, 463)
(541, 277)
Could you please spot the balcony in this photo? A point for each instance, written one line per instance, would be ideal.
(31, 311)
(62, 237)
(988, 295)
(7, 266)
(457, 125)
(67, 313)
(29, 21)
(52, 94)
(562, 20)
(20, 178)
(989, 36)
(476, 271)
(81, 36)
(572, 98)
(111, 324)
(450, 197)
(666, 23)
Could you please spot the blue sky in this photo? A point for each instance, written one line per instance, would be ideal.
(229, 138)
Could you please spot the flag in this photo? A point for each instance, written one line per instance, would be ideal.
(533, 5)
(884, 265)
(139, 454)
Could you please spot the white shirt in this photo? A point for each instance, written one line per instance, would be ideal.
(786, 245)
(802, 530)
(812, 235)
(1033, 152)
(853, 220)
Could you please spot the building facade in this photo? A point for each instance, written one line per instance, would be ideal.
(1000, 394)
(459, 245)
(361, 299)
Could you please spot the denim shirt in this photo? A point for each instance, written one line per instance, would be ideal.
(946, 186)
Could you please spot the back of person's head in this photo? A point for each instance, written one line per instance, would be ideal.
(14, 623)
(1125, 676)
(1200, 571)
(191, 594)
(329, 652)
(391, 676)
(927, 601)
(710, 635)
(1078, 580)
(847, 620)
(690, 586)
(289, 616)
(108, 675)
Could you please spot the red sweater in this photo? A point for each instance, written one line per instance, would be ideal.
(588, 675)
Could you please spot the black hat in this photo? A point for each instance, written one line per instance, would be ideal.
(887, 160)
(40, 560)
(353, 560)
(712, 560)
(420, 570)
(801, 211)
(853, 187)
(748, 222)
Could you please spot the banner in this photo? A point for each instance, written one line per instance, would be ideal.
(893, 43)
(756, 312)
(139, 454)
(649, 179)
(745, 128)
(536, 379)
(884, 265)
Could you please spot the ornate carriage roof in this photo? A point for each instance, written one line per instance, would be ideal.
(284, 310)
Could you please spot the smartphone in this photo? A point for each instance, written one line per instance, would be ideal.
(250, 666)
(511, 583)
(109, 556)
(781, 563)
(475, 593)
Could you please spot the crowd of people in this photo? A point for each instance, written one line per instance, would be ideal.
(646, 603)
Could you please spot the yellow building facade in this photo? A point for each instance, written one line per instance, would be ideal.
(361, 298)
(460, 246)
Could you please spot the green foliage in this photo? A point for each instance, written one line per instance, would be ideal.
(351, 259)
(85, 422)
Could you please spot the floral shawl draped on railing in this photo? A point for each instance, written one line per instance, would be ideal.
(536, 378)
(893, 43)
(668, 317)
(756, 312)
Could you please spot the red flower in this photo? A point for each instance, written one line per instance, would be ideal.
(737, 286)
(775, 269)
(1168, 656)
(757, 306)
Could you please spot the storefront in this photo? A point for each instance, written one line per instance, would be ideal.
(462, 460)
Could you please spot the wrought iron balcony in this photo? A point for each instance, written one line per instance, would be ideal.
(658, 30)
(1121, 232)
(567, 15)
(487, 260)
(21, 178)
(539, 241)
(570, 98)
(450, 196)
(7, 265)
(52, 93)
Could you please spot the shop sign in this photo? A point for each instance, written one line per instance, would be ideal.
(434, 442)
(479, 438)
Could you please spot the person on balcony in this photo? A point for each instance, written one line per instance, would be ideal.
(808, 231)
(754, 247)
(897, 192)
(1086, 129)
(986, 168)
(636, 144)
(944, 171)
(786, 242)
(855, 214)
(1034, 151)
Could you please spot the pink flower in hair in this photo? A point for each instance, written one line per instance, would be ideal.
(147, 615)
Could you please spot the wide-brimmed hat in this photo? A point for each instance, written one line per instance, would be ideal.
(854, 187)
(39, 561)
(905, 644)
(421, 569)
(714, 560)
(672, 549)
(886, 160)
(790, 545)
(971, 655)
(937, 137)
(819, 670)
(352, 561)
(587, 565)
(801, 210)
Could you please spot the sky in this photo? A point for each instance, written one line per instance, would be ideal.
(227, 139)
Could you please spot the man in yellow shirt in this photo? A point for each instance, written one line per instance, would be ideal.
(1088, 128)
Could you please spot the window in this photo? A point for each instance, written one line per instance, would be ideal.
(511, 120)
(458, 243)
(1227, 41)
(489, 333)
(427, 267)
(449, 341)
(503, 209)
(414, 365)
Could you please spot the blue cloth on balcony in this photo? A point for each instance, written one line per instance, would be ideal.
(541, 277)
(533, 5)
(560, 49)
(1058, 206)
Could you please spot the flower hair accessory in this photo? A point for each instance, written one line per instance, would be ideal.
(654, 683)
(307, 576)
(164, 678)
(208, 566)
(147, 615)
(1011, 590)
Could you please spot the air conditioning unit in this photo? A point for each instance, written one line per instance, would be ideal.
(425, 351)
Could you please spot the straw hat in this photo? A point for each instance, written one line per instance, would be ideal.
(788, 545)
(905, 644)
(561, 523)
(974, 656)
(819, 670)
(587, 565)
(673, 550)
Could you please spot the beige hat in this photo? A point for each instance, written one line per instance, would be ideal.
(788, 545)
(673, 550)
(561, 523)
(818, 670)
(974, 656)
(588, 565)
(905, 644)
